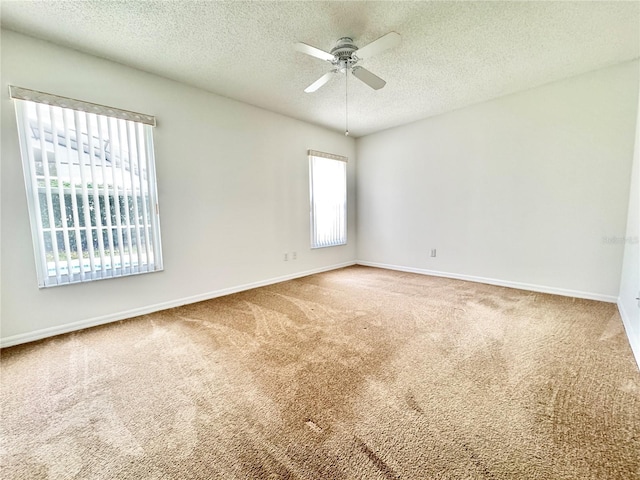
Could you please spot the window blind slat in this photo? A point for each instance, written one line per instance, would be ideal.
(116, 190)
(66, 117)
(61, 189)
(31, 185)
(133, 165)
(44, 158)
(141, 155)
(125, 195)
(97, 210)
(86, 207)
(106, 198)
(153, 195)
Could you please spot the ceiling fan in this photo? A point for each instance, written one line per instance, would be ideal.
(345, 56)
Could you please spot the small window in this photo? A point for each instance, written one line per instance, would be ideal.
(328, 187)
(91, 188)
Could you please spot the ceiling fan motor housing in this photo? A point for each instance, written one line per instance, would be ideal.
(344, 48)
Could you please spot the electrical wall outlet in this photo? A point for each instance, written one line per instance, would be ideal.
(433, 252)
(286, 257)
(294, 255)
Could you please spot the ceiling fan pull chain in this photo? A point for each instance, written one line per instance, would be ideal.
(346, 102)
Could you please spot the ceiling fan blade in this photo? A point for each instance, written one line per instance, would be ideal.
(385, 42)
(314, 52)
(369, 78)
(320, 82)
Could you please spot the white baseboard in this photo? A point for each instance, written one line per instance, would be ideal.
(632, 334)
(93, 322)
(493, 281)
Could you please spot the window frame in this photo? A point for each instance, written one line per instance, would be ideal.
(140, 156)
(314, 156)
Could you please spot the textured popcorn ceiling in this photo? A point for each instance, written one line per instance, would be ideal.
(452, 54)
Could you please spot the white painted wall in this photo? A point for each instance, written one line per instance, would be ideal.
(233, 193)
(628, 302)
(523, 190)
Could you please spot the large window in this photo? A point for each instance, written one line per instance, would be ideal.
(91, 188)
(328, 186)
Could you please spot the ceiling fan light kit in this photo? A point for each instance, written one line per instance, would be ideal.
(344, 58)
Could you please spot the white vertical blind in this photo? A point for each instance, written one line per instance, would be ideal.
(35, 211)
(328, 189)
(91, 189)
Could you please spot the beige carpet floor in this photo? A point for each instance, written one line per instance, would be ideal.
(359, 373)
